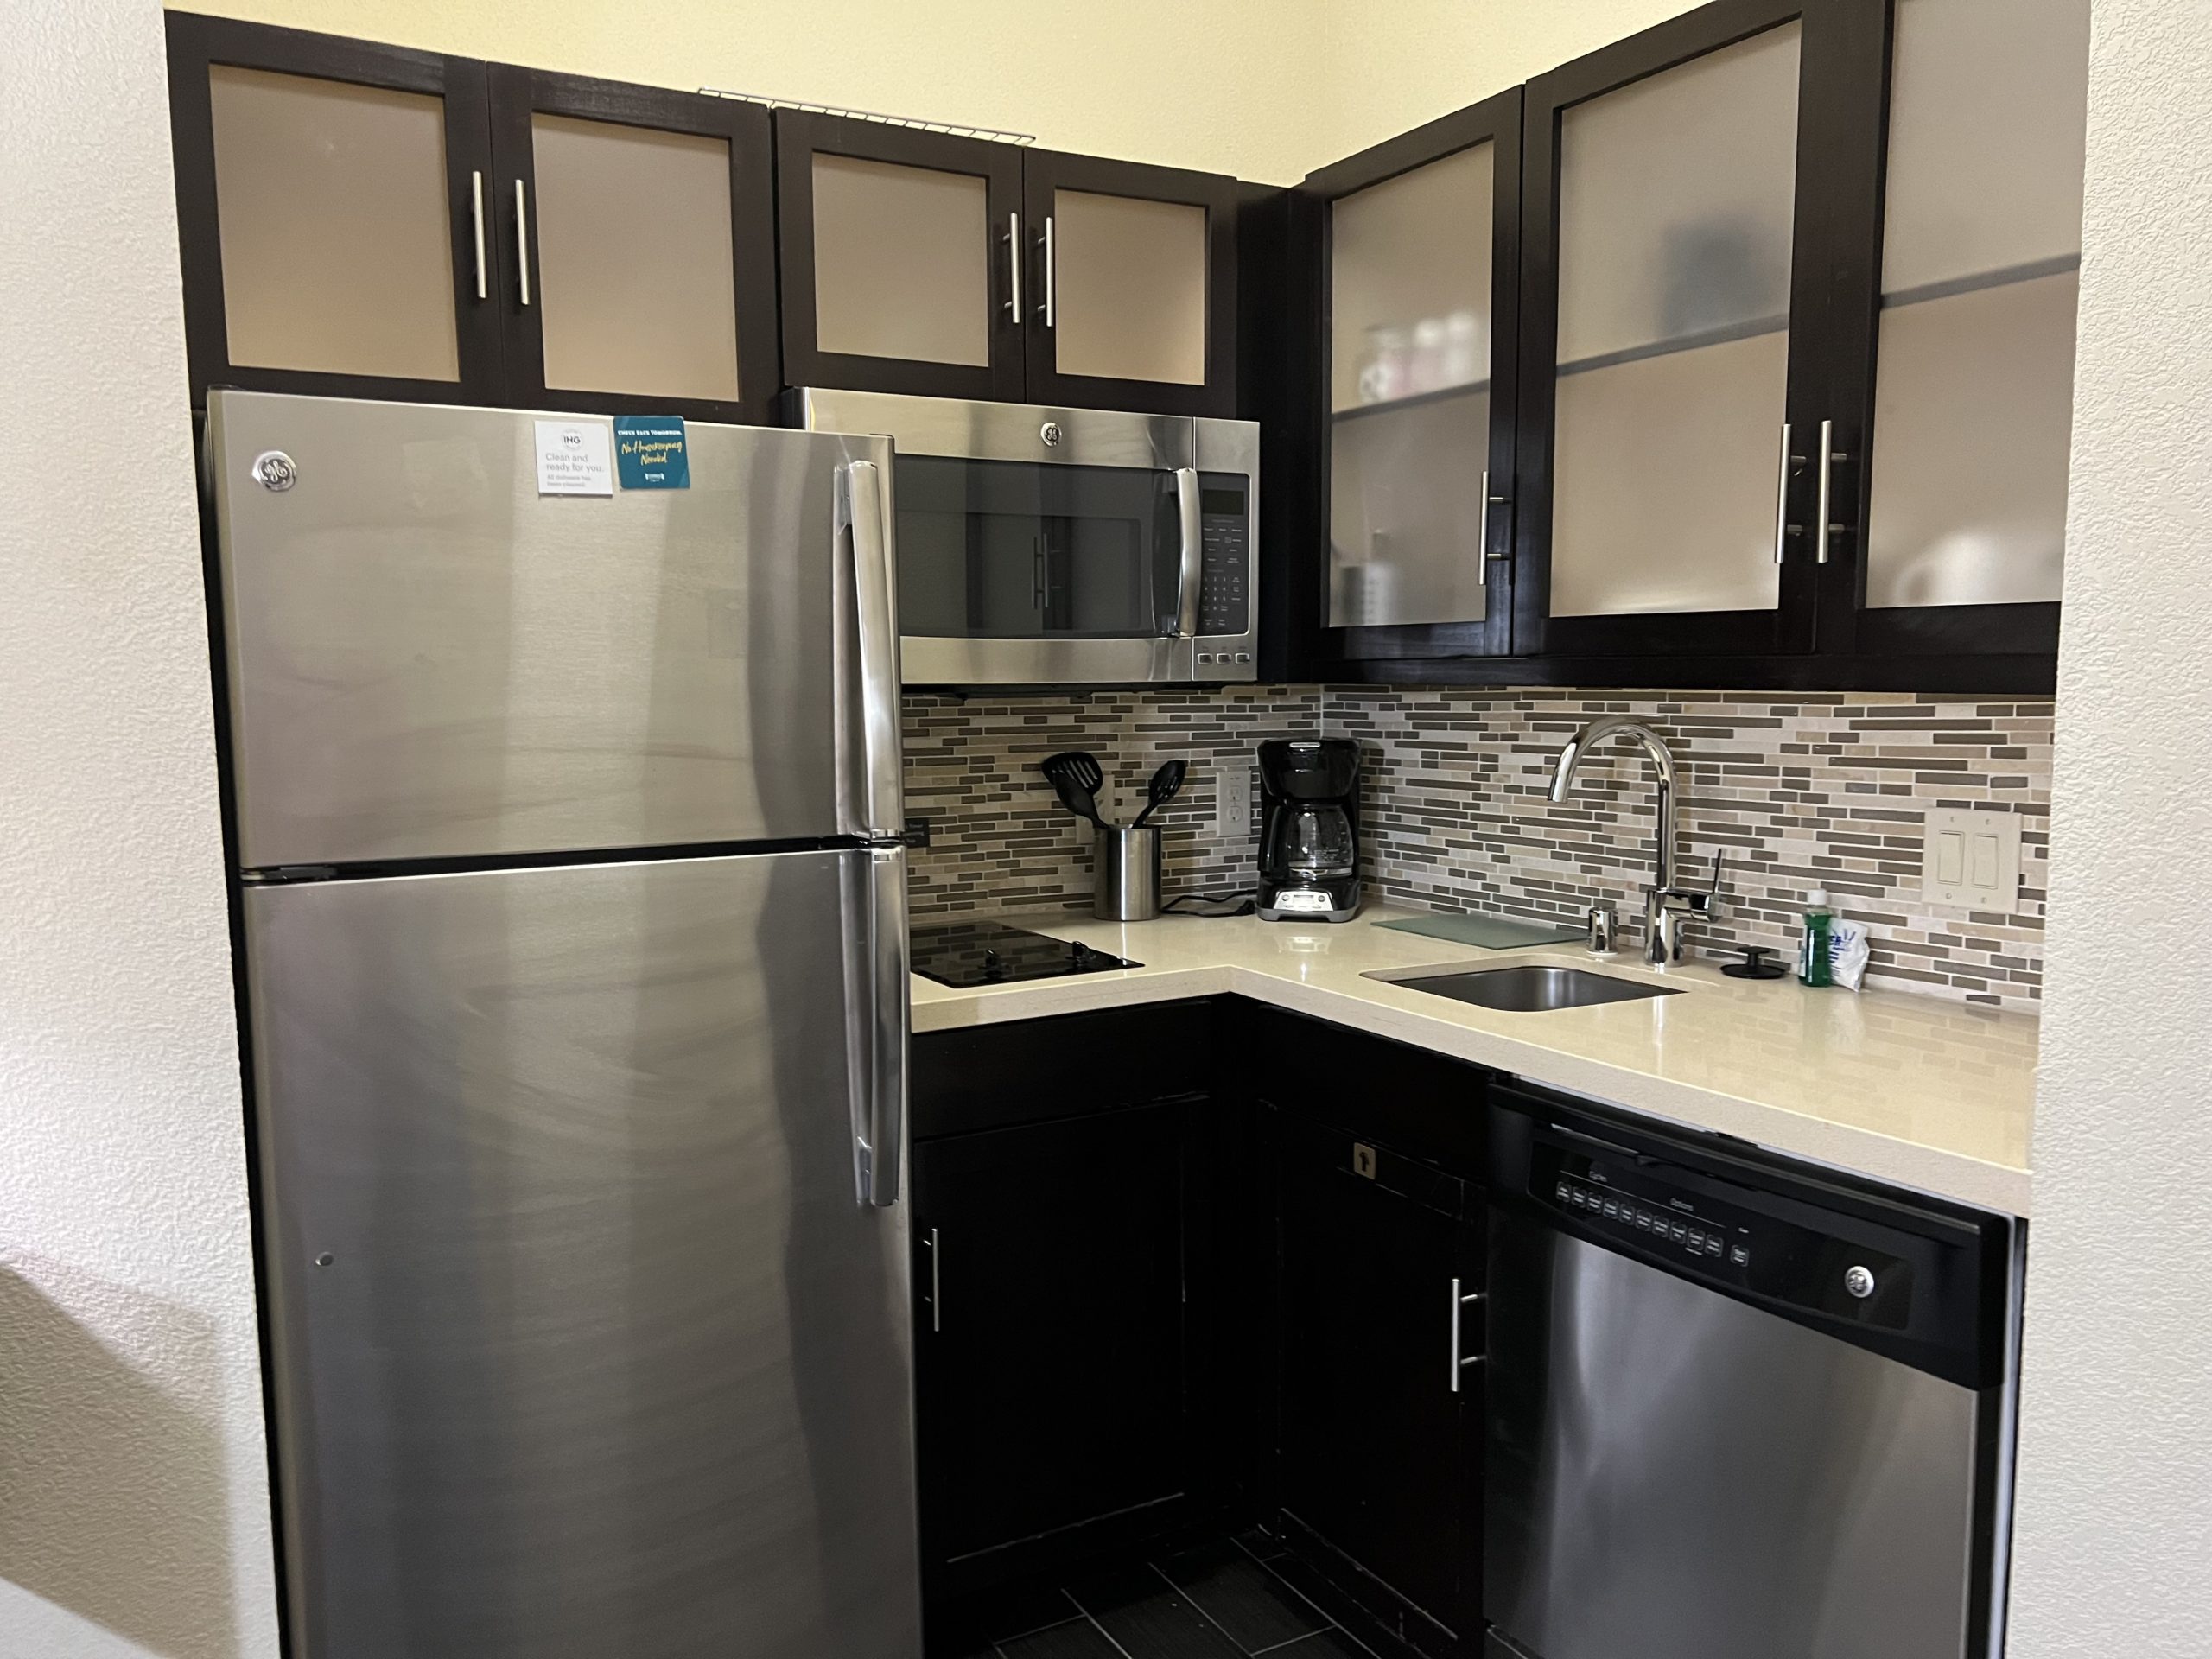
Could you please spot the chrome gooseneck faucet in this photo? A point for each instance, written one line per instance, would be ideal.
(1667, 907)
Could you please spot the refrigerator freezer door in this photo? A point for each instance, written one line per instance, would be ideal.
(427, 658)
(585, 1344)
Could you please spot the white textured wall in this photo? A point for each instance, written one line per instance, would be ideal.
(134, 1510)
(2114, 1553)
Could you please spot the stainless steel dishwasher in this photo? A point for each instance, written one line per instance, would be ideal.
(1738, 1408)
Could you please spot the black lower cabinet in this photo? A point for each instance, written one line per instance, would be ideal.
(1380, 1439)
(1064, 1291)
(1051, 1365)
(1376, 1478)
(1182, 1269)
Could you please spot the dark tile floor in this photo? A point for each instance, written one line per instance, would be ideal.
(1217, 1600)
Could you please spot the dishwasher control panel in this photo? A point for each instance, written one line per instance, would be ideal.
(1911, 1278)
(1685, 1229)
(1685, 1221)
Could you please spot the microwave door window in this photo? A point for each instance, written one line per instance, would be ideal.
(1010, 549)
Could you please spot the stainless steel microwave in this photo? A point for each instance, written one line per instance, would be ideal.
(1042, 546)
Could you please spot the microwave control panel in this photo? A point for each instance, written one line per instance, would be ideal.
(1224, 554)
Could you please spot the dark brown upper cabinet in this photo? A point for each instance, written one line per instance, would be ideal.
(1960, 125)
(334, 214)
(1798, 294)
(361, 220)
(1781, 397)
(902, 258)
(942, 265)
(1407, 359)
(639, 275)
(1672, 366)
(1135, 297)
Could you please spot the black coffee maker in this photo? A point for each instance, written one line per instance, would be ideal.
(1309, 829)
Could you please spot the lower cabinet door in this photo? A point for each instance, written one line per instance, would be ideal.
(1052, 1350)
(1379, 1440)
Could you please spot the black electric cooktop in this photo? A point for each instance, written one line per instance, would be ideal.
(962, 954)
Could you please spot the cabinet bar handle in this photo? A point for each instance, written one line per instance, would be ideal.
(1455, 1336)
(1782, 499)
(522, 241)
(476, 217)
(1457, 1364)
(1050, 281)
(1829, 456)
(1482, 532)
(936, 1295)
(1482, 580)
(1013, 264)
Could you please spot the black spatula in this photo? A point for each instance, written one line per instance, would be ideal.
(1076, 775)
(1166, 784)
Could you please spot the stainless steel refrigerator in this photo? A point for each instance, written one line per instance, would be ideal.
(574, 934)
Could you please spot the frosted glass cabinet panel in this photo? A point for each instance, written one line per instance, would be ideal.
(1410, 282)
(1677, 200)
(1405, 514)
(636, 269)
(1981, 244)
(1128, 288)
(1677, 208)
(1664, 480)
(1410, 303)
(333, 225)
(901, 262)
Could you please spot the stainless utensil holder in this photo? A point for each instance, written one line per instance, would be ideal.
(1125, 874)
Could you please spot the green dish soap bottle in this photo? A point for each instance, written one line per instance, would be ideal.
(1813, 947)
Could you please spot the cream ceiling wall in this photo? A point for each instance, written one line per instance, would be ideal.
(1224, 85)
(1265, 89)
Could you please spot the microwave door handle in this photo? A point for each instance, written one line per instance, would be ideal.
(1192, 566)
(877, 627)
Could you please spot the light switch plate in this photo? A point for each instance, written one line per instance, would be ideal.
(1972, 860)
(1232, 800)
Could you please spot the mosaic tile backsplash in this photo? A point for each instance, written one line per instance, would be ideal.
(1801, 791)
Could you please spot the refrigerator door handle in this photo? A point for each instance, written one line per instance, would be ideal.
(876, 620)
(883, 1120)
(877, 992)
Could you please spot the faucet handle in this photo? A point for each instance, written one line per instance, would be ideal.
(1701, 901)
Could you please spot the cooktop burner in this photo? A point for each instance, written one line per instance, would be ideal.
(962, 954)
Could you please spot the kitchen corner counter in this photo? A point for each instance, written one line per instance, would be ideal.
(1928, 1094)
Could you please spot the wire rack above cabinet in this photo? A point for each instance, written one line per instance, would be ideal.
(957, 128)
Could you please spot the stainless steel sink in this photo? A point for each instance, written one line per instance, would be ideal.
(1522, 988)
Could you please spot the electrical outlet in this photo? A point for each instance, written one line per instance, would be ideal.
(1972, 860)
(1232, 801)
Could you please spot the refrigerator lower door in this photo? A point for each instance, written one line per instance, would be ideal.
(585, 1343)
(427, 657)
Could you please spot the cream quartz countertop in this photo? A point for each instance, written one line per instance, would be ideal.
(1928, 1094)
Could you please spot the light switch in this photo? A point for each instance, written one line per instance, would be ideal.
(1972, 860)
(1951, 858)
(1985, 861)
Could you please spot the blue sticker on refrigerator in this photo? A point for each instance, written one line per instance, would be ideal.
(649, 452)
